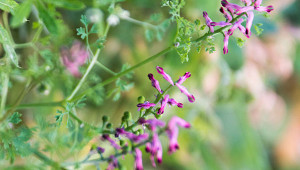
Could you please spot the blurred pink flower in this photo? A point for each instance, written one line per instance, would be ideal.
(74, 58)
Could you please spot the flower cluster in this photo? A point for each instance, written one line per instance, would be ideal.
(230, 10)
(152, 127)
(74, 57)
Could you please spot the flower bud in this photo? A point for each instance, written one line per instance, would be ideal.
(122, 142)
(141, 99)
(104, 119)
(157, 116)
(109, 125)
(127, 115)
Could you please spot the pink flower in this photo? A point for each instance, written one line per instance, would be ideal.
(153, 123)
(112, 142)
(154, 82)
(230, 6)
(249, 23)
(226, 14)
(113, 163)
(183, 78)
(138, 159)
(165, 75)
(220, 24)
(173, 102)
(235, 26)
(243, 30)
(132, 136)
(155, 149)
(226, 39)
(208, 21)
(163, 104)
(145, 105)
(74, 58)
(172, 132)
(183, 90)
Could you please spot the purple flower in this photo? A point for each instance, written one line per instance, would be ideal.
(165, 75)
(74, 58)
(113, 163)
(155, 149)
(208, 21)
(153, 123)
(138, 159)
(258, 7)
(221, 23)
(244, 9)
(243, 30)
(154, 82)
(163, 104)
(132, 136)
(172, 132)
(183, 78)
(183, 90)
(173, 102)
(100, 150)
(112, 142)
(226, 14)
(145, 105)
(235, 26)
(230, 6)
(249, 23)
(226, 39)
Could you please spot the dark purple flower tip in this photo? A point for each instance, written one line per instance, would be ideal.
(165, 75)
(159, 160)
(180, 105)
(100, 150)
(150, 76)
(105, 136)
(148, 147)
(191, 98)
(205, 14)
(222, 10)
(142, 121)
(224, 3)
(160, 70)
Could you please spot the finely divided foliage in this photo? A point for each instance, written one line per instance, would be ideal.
(72, 62)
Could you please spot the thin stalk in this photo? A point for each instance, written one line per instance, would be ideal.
(46, 160)
(4, 93)
(105, 68)
(123, 73)
(144, 24)
(91, 65)
(46, 104)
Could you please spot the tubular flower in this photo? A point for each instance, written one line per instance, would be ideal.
(183, 90)
(138, 159)
(132, 136)
(249, 23)
(235, 26)
(173, 102)
(74, 58)
(155, 149)
(257, 7)
(226, 14)
(154, 82)
(165, 75)
(226, 39)
(220, 24)
(230, 6)
(208, 21)
(163, 105)
(145, 105)
(172, 132)
(111, 141)
(153, 123)
(113, 163)
(183, 78)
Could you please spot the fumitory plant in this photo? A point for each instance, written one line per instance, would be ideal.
(66, 81)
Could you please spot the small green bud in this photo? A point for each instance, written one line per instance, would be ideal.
(127, 115)
(109, 125)
(140, 131)
(141, 99)
(142, 109)
(157, 116)
(104, 119)
(122, 142)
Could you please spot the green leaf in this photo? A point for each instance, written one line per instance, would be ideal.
(8, 5)
(8, 46)
(67, 4)
(149, 35)
(240, 42)
(81, 32)
(47, 19)
(21, 13)
(59, 117)
(84, 20)
(258, 28)
(15, 118)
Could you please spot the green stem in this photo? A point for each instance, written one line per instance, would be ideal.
(91, 65)
(123, 73)
(145, 24)
(24, 45)
(46, 104)
(46, 160)
(4, 92)
(105, 68)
